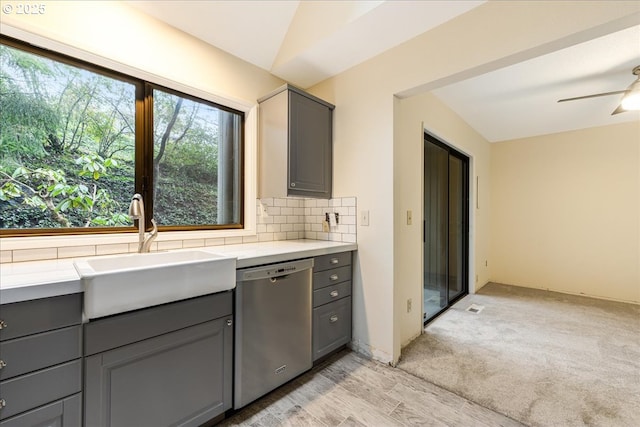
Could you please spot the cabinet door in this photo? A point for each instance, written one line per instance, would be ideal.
(63, 413)
(310, 136)
(180, 379)
(331, 327)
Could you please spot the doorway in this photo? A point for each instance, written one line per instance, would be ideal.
(445, 227)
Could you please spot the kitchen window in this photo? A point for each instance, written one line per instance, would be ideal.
(77, 141)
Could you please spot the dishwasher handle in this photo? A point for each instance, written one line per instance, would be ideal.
(273, 271)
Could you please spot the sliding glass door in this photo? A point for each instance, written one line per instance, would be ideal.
(446, 225)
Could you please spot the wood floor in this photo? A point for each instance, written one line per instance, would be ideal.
(349, 390)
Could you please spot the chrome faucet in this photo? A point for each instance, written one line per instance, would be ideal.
(136, 211)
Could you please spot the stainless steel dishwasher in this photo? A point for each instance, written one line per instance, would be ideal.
(273, 327)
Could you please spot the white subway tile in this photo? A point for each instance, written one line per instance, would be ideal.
(299, 227)
(310, 203)
(6, 256)
(293, 235)
(317, 211)
(316, 227)
(20, 255)
(292, 219)
(349, 201)
(310, 235)
(193, 243)
(261, 228)
(273, 210)
(249, 239)
(353, 229)
(335, 202)
(347, 219)
(352, 210)
(307, 211)
(322, 236)
(279, 236)
(265, 237)
(273, 228)
(214, 242)
(286, 227)
(322, 203)
(280, 202)
(266, 220)
(349, 238)
(76, 251)
(280, 219)
(299, 211)
(335, 237)
(112, 249)
(233, 240)
(294, 203)
(286, 211)
(267, 201)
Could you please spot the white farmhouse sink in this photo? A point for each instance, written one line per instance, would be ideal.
(114, 284)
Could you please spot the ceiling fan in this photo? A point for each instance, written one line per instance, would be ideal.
(630, 100)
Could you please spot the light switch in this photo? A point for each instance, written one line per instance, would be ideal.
(364, 218)
(409, 217)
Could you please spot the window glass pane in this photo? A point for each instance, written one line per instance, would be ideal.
(67, 145)
(196, 162)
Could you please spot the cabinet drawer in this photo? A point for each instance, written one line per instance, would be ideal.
(111, 332)
(326, 262)
(331, 327)
(38, 388)
(331, 293)
(63, 413)
(33, 352)
(39, 315)
(331, 277)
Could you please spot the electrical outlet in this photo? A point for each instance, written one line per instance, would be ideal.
(409, 305)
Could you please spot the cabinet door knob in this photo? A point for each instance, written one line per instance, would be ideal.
(2, 364)
(293, 184)
(334, 294)
(334, 318)
(3, 324)
(333, 277)
(229, 322)
(3, 403)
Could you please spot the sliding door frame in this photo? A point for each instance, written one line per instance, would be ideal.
(466, 159)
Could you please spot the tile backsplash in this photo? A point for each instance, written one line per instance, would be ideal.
(276, 219)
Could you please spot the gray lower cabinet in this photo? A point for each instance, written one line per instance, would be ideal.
(41, 362)
(331, 303)
(179, 377)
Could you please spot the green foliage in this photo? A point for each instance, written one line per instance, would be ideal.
(67, 149)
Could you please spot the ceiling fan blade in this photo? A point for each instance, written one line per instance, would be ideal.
(592, 96)
(618, 110)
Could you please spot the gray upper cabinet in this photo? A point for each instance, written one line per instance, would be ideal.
(295, 144)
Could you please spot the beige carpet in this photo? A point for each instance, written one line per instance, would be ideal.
(542, 358)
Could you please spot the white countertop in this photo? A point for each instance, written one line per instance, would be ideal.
(41, 279)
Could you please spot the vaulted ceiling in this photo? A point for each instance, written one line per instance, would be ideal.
(305, 42)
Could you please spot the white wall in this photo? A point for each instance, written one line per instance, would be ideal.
(566, 212)
(367, 140)
(413, 116)
(116, 36)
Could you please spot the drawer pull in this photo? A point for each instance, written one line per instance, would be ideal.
(333, 277)
(229, 322)
(3, 403)
(334, 293)
(334, 260)
(2, 364)
(3, 324)
(333, 318)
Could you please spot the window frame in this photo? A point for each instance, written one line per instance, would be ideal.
(144, 146)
